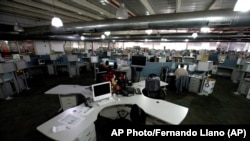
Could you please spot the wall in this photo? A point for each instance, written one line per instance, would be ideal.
(42, 47)
(57, 46)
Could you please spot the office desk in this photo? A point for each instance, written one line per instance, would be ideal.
(68, 94)
(142, 84)
(163, 110)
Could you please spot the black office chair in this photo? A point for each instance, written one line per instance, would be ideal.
(182, 84)
(152, 87)
(137, 117)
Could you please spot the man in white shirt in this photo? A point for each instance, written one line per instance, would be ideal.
(180, 71)
(181, 83)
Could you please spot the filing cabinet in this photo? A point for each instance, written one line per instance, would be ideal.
(5, 90)
(88, 135)
(244, 86)
(7, 67)
(194, 84)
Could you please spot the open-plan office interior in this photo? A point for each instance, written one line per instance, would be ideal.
(105, 64)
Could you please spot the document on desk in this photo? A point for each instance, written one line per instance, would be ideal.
(85, 111)
(71, 120)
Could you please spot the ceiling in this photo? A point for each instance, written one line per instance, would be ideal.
(170, 20)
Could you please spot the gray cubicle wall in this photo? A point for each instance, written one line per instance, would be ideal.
(152, 67)
(155, 67)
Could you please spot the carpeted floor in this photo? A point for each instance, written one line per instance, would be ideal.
(20, 116)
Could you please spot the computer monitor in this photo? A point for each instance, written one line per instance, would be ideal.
(111, 63)
(101, 90)
(179, 66)
(138, 61)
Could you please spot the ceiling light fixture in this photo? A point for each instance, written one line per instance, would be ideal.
(107, 33)
(56, 21)
(149, 31)
(82, 37)
(103, 36)
(18, 28)
(195, 35)
(242, 6)
(205, 29)
(122, 12)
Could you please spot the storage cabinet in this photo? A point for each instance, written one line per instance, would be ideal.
(194, 84)
(5, 90)
(88, 135)
(244, 86)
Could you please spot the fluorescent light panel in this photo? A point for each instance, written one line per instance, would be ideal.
(242, 5)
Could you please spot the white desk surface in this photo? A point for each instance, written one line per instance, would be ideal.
(70, 89)
(141, 84)
(166, 111)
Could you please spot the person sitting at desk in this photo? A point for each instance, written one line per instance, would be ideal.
(105, 66)
(181, 79)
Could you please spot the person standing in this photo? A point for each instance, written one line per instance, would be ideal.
(180, 72)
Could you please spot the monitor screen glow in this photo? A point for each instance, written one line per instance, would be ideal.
(185, 66)
(111, 62)
(101, 91)
(94, 59)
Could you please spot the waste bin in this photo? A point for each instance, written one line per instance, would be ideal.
(208, 86)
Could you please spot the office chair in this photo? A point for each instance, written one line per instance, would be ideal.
(152, 87)
(137, 117)
(182, 84)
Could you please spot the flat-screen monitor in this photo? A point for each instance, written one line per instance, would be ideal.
(138, 61)
(101, 90)
(111, 63)
(179, 66)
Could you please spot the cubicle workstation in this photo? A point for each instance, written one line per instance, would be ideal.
(244, 83)
(6, 83)
(21, 66)
(13, 78)
(78, 123)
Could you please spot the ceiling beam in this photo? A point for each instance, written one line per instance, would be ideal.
(71, 8)
(211, 4)
(23, 9)
(116, 4)
(85, 3)
(51, 10)
(178, 6)
(148, 6)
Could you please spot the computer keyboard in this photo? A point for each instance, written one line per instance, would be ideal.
(106, 101)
